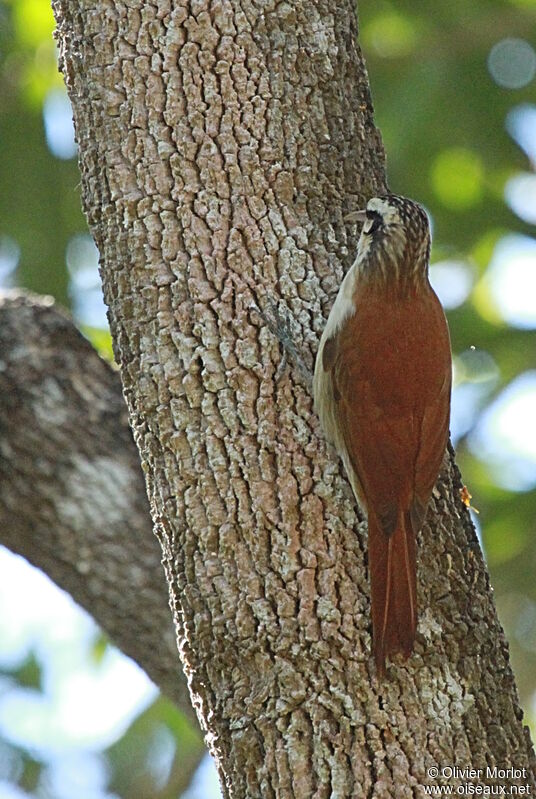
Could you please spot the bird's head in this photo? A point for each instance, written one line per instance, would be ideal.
(395, 238)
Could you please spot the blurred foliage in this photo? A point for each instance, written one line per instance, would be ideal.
(163, 730)
(29, 673)
(154, 757)
(39, 199)
(444, 122)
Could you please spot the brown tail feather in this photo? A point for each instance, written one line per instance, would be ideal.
(393, 589)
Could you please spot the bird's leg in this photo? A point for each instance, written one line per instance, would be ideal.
(279, 325)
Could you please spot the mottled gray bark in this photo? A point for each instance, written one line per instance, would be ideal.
(72, 496)
(221, 143)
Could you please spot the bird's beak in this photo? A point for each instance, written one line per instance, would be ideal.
(356, 216)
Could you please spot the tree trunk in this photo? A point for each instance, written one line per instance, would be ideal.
(221, 143)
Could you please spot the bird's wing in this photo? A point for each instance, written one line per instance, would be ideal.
(433, 439)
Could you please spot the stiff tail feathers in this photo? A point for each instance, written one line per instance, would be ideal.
(393, 578)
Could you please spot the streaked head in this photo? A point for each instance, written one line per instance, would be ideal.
(396, 232)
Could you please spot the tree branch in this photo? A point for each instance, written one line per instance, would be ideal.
(72, 497)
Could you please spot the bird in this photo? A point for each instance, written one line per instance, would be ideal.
(381, 389)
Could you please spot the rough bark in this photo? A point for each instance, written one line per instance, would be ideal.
(221, 142)
(72, 495)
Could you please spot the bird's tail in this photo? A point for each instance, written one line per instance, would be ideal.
(393, 580)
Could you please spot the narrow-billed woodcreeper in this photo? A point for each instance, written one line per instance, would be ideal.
(382, 392)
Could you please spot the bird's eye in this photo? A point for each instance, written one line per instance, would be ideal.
(372, 222)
